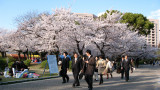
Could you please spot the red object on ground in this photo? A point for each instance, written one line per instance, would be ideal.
(35, 61)
(36, 74)
(25, 75)
(16, 56)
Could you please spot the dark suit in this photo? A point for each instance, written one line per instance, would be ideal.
(122, 69)
(126, 65)
(64, 67)
(76, 67)
(89, 71)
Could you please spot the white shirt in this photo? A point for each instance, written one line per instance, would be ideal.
(89, 57)
(109, 64)
(75, 60)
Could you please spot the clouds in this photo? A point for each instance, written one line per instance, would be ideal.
(99, 14)
(154, 14)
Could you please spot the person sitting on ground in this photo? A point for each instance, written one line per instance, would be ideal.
(23, 66)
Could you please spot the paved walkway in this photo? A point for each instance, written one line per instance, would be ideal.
(144, 78)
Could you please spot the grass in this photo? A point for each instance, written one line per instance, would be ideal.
(11, 79)
(32, 68)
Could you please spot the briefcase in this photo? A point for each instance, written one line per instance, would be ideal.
(81, 75)
(118, 70)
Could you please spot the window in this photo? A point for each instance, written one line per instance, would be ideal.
(149, 39)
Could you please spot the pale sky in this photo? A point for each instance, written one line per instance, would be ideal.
(10, 9)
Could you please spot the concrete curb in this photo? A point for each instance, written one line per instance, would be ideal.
(26, 80)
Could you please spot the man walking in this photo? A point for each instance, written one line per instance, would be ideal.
(126, 65)
(76, 67)
(65, 67)
(89, 68)
(122, 68)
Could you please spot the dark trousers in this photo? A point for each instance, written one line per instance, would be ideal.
(122, 73)
(65, 76)
(127, 74)
(101, 79)
(89, 80)
(76, 79)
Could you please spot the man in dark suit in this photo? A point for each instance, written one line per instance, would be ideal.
(65, 67)
(122, 68)
(137, 62)
(89, 68)
(127, 64)
(76, 67)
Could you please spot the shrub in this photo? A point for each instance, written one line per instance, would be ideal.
(141, 62)
(3, 63)
(44, 63)
(10, 64)
(11, 59)
(27, 62)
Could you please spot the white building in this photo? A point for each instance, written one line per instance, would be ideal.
(86, 16)
(153, 38)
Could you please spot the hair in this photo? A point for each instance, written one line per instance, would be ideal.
(88, 51)
(123, 56)
(101, 56)
(107, 57)
(84, 56)
(66, 53)
(97, 56)
(75, 53)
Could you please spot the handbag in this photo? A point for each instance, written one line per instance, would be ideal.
(118, 70)
(108, 71)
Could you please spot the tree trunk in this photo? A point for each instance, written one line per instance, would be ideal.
(5, 54)
(102, 53)
(27, 54)
(57, 55)
(19, 55)
(100, 49)
(40, 56)
(2, 53)
(80, 50)
(30, 54)
(24, 53)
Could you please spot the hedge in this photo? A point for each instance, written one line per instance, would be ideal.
(44, 63)
(27, 62)
(3, 63)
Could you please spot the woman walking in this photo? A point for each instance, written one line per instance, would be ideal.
(101, 67)
(108, 68)
(96, 70)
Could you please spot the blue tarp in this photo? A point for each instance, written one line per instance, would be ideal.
(61, 56)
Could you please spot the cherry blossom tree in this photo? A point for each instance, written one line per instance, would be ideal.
(65, 31)
(113, 39)
(5, 42)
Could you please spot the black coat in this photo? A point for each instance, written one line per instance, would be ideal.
(90, 67)
(65, 64)
(76, 67)
(126, 64)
